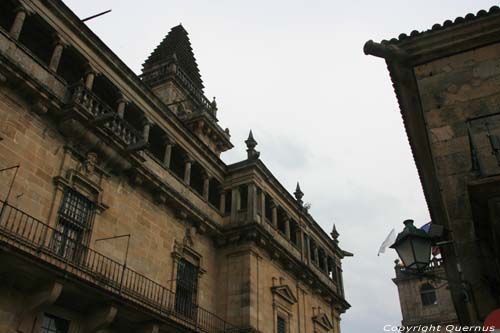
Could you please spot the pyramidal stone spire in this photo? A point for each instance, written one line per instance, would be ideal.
(175, 47)
(298, 194)
(251, 144)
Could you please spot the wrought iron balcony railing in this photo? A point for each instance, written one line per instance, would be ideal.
(435, 265)
(484, 141)
(35, 238)
(101, 113)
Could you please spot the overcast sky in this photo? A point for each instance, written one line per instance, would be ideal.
(322, 112)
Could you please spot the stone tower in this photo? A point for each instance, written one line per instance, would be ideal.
(172, 73)
(423, 302)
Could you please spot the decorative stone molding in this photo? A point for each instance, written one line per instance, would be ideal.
(285, 293)
(321, 321)
(86, 177)
(185, 251)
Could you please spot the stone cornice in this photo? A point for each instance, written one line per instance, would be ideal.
(256, 234)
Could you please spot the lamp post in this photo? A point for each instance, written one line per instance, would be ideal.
(414, 246)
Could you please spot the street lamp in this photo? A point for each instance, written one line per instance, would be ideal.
(413, 246)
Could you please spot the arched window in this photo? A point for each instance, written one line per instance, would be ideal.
(428, 294)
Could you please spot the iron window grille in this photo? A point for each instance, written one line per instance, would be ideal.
(186, 289)
(73, 225)
(281, 324)
(53, 324)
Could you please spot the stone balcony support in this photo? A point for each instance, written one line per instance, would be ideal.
(55, 59)
(17, 25)
(148, 328)
(100, 319)
(34, 303)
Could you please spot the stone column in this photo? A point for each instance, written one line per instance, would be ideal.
(146, 128)
(120, 109)
(274, 214)
(263, 205)
(167, 156)
(89, 79)
(252, 203)
(206, 184)
(234, 203)
(187, 170)
(222, 202)
(340, 280)
(300, 243)
(55, 59)
(307, 248)
(17, 26)
(287, 227)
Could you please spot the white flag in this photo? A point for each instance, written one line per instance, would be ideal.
(389, 240)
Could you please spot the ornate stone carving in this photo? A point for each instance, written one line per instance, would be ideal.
(89, 164)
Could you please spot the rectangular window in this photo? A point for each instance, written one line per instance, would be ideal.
(53, 324)
(73, 223)
(281, 324)
(187, 289)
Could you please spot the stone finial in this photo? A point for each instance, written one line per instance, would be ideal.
(214, 103)
(251, 144)
(298, 194)
(334, 233)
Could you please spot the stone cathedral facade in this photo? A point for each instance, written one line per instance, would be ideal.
(117, 213)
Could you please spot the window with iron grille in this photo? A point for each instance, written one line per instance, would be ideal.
(53, 324)
(73, 223)
(187, 289)
(281, 324)
(428, 294)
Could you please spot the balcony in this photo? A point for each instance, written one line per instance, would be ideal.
(33, 238)
(100, 114)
